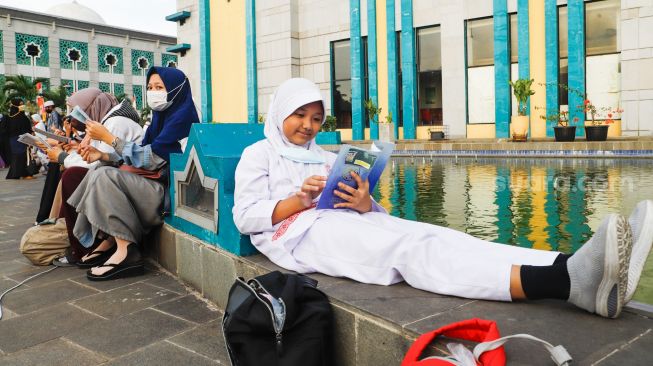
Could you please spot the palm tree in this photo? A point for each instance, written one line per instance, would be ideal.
(20, 86)
(3, 98)
(57, 96)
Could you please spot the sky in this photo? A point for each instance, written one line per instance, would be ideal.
(142, 15)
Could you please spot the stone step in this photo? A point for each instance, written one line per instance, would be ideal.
(375, 325)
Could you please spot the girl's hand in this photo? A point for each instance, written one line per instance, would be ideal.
(67, 127)
(97, 131)
(355, 199)
(90, 154)
(53, 153)
(72, 145)
(311, 188)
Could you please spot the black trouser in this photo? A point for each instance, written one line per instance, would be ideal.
(49, 191)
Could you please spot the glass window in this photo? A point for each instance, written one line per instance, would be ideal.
(196, 197)
(429, 69)
(341, 71)
(400, 90)
(480, 70)
(480, 42)
(514, 37)
(602, 27)
(563, 65)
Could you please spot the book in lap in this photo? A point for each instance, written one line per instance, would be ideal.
(368, 164)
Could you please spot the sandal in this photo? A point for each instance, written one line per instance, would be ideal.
(132, 265)
(103, 256)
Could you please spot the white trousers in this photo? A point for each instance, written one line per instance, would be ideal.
(377, 248)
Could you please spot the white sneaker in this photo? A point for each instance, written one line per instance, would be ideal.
(641, 222)
(598, 271)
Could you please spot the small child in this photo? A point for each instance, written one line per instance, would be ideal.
(279, 179)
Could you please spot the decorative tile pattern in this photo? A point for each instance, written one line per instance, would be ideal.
(137, 56)
(2, 52)
(117, 88)
(24, 42)
(65, 47)
(105, 87)
(2, 79)
(81, 84)
(167, 58)
(138, 95)
(103, 52)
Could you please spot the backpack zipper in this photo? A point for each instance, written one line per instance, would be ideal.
(277, 321)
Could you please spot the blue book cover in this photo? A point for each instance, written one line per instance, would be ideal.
(368, 164)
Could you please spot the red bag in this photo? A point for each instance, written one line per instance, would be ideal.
(148, 174)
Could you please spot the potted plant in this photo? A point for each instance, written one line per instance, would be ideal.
(328, 134)
(561, 128)
(519, 123)
(385, 127)
(597, 131)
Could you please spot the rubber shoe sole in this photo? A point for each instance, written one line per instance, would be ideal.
(611, 294)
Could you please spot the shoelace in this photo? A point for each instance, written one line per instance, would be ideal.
(20, 284)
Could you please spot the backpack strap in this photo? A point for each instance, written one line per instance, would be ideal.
(559, 354)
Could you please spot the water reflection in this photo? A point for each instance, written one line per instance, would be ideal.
(551, 204)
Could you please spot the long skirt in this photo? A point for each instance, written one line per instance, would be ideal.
(49, 191)
(377, 248)
(18, 166)
(121, 204)
(70, 180)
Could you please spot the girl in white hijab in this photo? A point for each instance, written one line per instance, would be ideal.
(279, 179)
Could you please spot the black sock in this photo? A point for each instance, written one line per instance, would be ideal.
(546, 282)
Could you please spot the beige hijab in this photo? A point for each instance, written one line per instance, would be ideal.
(93, 102)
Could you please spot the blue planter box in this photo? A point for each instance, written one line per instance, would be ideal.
(328, 138)
(212, 153)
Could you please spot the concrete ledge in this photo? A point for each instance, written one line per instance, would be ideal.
(375, 325)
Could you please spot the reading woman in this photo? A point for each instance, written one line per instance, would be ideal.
(279, 179)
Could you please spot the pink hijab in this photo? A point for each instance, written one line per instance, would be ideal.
(93, 102)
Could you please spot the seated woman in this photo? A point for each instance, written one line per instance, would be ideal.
(119, 204)
(278, 179)
(121, 120)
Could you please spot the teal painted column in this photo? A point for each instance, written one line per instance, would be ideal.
(503, 200)
(371, 62)
(552, 61)
(576, 27)
(577, 228)
(410, 189)
(392, 64)
(552, 209)
(357, 81)
(523, 47)
(252, 82)
(501, 69)
(408, 70)
(205, 61)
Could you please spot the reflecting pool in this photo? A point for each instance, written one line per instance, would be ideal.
(551, 204)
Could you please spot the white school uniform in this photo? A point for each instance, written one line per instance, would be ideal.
(373, 247)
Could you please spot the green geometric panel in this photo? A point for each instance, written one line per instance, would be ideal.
(117, 88)
(138, 55)
(28, 42)
(65, 46)
(2, 50)
(68, 84)
(82, 84)
(2, 80)
(103, 52)
(166, 58)
(138, 95)
(105, 87)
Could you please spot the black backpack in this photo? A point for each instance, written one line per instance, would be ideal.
(278, 320)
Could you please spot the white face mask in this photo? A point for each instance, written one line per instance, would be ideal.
(157, 99)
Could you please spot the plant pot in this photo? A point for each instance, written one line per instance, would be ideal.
(386, 132)
(437, 135)
(328, 138)
(565, 133)
(519, 128)
(596, 133)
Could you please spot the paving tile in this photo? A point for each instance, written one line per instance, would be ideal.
(55, 352)
(7, 268)
(36, 298)
(553, 321)
(190, 308)
(118, 337)
(61, 273)
(206, 340)
(391, 302)
(636, 353)
(44, 325)
(376, 345)
(125, 300)
(114, 284)
(167, 282)
(162, 354)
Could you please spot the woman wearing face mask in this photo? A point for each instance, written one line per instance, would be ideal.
(17, 124)
(123, 205)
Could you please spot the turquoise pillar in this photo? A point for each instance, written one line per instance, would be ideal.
(410, 192)
(357, 81)
(523, 48)
(252, 83)
(503, 200)
(371, 63)
(552, 210)
(501, 69)
(576, 36)
(205, 61)
(552, 61)
(392, 64)
(408, 70)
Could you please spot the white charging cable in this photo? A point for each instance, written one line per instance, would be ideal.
(20, 284)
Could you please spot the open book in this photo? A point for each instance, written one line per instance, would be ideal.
(369, 164)
(51, 135)
(32, 140)
(79, 115)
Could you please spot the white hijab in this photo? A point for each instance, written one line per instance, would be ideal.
(299, 161)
